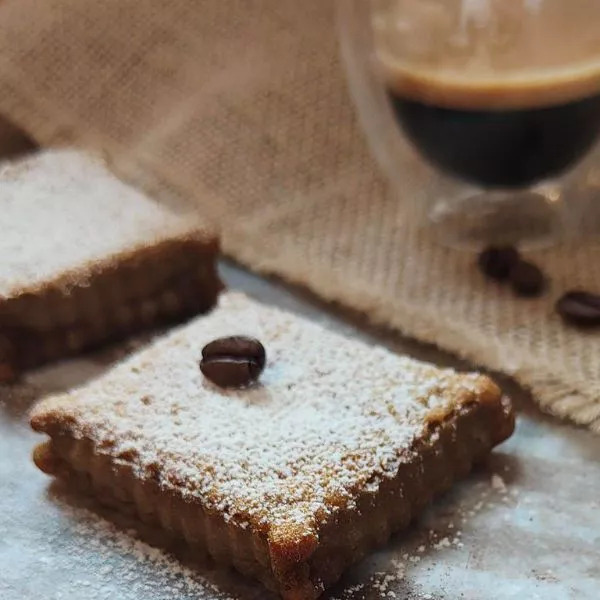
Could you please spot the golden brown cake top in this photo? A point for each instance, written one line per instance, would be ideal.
(62, 211)
(331, 417)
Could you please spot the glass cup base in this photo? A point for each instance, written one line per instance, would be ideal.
(528, 219)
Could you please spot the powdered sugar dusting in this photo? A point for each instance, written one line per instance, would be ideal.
(498, 483)
(397, 580)
(61, 209)
(331, 417)
(120, 555)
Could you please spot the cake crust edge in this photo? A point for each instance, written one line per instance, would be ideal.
(61, 293)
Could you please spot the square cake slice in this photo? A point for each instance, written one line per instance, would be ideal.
(291, 479)
(87, 258)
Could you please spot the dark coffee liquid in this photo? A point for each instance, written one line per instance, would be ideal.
(501, 93)
(501, 148)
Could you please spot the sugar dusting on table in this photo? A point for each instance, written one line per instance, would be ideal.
(119, 555)
(385, 583)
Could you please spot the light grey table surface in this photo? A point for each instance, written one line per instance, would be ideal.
(525, 526)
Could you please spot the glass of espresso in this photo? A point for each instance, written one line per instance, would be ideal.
(485, 114)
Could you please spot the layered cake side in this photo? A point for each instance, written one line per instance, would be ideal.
(87, 258)
(290, 479)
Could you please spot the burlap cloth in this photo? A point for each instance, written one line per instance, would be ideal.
(241, 107)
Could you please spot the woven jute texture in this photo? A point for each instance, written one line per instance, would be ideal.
(240, 108)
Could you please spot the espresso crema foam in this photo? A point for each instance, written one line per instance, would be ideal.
(489, 54)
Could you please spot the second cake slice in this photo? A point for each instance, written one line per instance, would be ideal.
(87, 258)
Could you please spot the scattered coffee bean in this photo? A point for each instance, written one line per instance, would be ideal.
(526, 279)
(233, 361)
(497, 261)
(580, 308)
